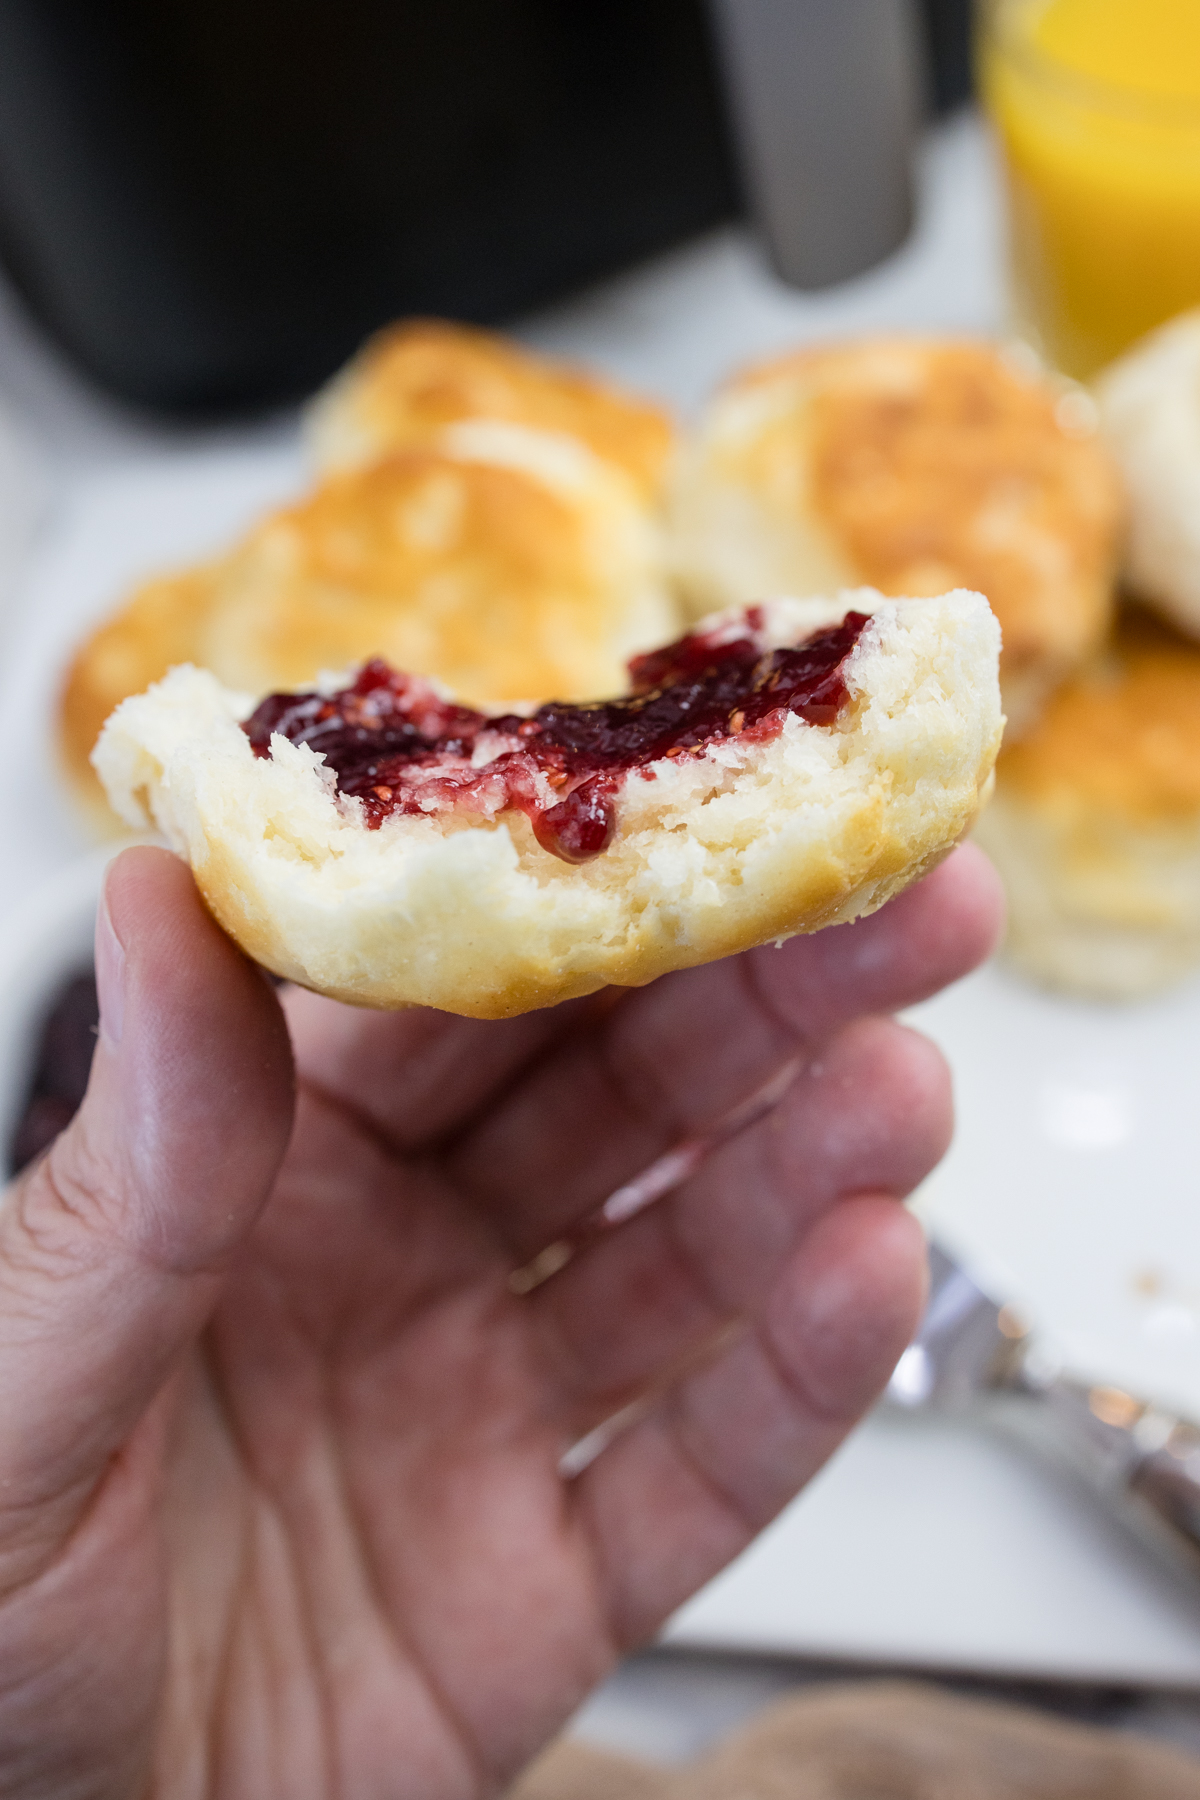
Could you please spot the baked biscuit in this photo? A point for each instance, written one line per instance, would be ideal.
(411, 381)
(1095, 826)
(508, 563)
(916, 466)
(787, 767)
(1150, 414)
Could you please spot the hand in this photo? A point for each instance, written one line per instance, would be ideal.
(281, 1510)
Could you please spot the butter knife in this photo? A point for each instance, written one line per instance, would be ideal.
(974, 1356)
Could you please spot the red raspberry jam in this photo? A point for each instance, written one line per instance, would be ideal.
(392, 742)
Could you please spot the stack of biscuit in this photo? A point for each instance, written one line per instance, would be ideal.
(1095, 822)
(919, 465)
(482, 515)
(509, 525)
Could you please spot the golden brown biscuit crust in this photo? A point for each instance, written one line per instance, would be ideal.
(931, 464)
(478, 574)
(416, 378)
(1124, 737)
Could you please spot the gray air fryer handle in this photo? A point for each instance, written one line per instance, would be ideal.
(826, 98)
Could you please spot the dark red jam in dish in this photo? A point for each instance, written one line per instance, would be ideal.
(61, 1066)
(399, 748)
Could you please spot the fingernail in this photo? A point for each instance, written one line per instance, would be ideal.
(110, 973)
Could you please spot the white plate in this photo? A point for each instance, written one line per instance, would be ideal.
(1073, 1186)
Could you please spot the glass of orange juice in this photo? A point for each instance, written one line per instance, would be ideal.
(1097, 104)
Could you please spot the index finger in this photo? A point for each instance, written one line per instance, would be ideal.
(418, 1078)
(673, 1060)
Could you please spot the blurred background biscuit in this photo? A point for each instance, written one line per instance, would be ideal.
(160, 626)
(916, 466)
(1150, 413)
(493, 528)
(507, 579)
(410, 382)
(1095, 822)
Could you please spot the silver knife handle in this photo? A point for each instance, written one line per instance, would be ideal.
(1167, 1482)
(1142, 1460)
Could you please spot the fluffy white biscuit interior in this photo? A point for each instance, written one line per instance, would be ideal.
(744, 843)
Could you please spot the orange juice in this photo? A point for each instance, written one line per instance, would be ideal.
(1098, 108)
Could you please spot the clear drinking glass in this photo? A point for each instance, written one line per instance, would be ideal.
(1103, 179)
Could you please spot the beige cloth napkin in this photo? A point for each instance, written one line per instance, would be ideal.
(890, 1740)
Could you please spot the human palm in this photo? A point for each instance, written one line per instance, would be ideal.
(283, 1501)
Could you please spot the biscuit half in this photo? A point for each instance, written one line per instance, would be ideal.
(917, 466)
(733, 845)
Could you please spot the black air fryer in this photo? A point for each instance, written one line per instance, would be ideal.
(209, 203)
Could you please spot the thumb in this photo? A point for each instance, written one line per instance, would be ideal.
(112, 1247)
